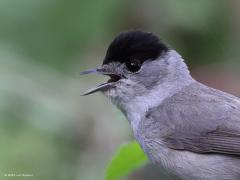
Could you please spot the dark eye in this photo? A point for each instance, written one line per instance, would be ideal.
(133, 66)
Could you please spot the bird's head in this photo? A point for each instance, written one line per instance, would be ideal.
(135, 61)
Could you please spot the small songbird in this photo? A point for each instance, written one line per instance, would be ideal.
(189, 129)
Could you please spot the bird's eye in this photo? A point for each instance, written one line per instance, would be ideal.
(133, 66)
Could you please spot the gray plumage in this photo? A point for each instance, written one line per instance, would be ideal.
(182, 125)
(191, 130)
(195, 134)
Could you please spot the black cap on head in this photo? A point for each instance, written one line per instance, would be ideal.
(134, 44)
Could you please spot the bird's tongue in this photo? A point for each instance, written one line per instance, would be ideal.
(113, 78)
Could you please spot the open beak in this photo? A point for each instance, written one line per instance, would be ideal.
(104, 86)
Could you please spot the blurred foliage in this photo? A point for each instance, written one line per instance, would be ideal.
(52, 31)
(128, 158)
(46, 128)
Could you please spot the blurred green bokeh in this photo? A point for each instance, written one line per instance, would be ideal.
(47, 129)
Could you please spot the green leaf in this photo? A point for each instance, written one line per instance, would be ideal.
(128, 157)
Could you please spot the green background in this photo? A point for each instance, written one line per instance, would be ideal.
(46, 128)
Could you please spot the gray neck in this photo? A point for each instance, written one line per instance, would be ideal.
(176, 77)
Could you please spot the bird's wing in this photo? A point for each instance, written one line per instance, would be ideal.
(198, 119)
(218, 141)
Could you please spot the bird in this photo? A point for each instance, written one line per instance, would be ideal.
(190, 130)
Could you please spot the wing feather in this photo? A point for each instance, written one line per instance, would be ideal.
(221, 142)
(198, 119)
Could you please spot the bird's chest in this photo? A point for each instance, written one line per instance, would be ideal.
(156, 151)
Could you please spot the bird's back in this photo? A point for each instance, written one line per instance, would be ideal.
(195, 133)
